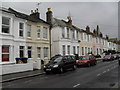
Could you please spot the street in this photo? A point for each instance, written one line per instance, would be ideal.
(103, 75)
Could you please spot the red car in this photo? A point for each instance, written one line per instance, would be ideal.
(108, 58)
(86, 60)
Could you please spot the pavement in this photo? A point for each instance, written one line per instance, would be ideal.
(103, 75)
(21, 75)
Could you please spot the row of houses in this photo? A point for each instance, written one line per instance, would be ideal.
(23, 35)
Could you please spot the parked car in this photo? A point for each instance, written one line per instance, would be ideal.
(108, 58)
(116, 56)
(60, 64)
(86, 60)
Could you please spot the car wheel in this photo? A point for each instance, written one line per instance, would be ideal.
(88, 65)
(95, 63)
(61, 70)
(74, 67)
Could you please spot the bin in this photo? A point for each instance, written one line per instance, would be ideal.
(21, 60)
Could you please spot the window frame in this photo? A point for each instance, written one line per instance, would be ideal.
(29, 30)
(6, 53)
(5, 25)
(21, 30)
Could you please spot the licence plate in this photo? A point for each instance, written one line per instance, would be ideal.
(48, 69)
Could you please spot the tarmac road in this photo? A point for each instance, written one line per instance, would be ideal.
(103, 75)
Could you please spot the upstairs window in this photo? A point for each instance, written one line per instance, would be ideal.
(73, 34)
(29, 31)
(68, 32)
(5, 25)
(38, 31)
(45, 32)
(21, 29)
(63, 33)
(77, 35)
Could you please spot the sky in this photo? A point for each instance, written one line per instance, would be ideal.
(104, 14)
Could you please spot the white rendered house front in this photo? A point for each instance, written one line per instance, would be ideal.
(13, 43)
(64, 41)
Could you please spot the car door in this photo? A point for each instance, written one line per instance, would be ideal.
(65, 62)
(91, 59)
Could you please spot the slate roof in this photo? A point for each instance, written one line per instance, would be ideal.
(23, 16)
(62, 23)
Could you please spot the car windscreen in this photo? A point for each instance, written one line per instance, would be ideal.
(85, 58)
(56, 60)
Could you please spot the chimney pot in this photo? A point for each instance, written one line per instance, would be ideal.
(32, 12)
(49, 9)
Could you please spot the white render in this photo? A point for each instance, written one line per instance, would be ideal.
(58, 41)
(14, 41)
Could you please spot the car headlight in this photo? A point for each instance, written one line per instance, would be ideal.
(55, 66)
(44, 66)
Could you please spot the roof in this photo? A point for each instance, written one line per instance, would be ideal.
(63, 23)
(24, 16)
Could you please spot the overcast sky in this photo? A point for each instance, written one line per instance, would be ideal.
(104, 14)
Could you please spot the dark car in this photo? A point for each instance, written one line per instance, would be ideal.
(116, 56)
(86, 60)
(108, 58)
(60, 64)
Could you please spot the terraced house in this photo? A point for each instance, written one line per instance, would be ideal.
(64, 36)
(23, 36)
(13, 42)
(38, 42)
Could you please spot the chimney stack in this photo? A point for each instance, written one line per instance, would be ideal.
(87, 28)
(35, 13)
(49, 16)
(69, 20)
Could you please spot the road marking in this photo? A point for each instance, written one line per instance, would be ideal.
(108, 69)
(76, 85)
(98, 74)
(104, 72)
(28, 81)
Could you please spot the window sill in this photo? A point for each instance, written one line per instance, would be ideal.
(29, 38)
(7, 34)
(45, 39)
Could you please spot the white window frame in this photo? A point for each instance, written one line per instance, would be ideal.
(63, 32)
(63, 49)
(30, 50)
(68, 33)
(29, 30)
(21, 29)
(38, 32)
(39, 52)
(5, 25)
(45, 52)
(23, 49)
(6, 53)
(45, 33)
(68, 49)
